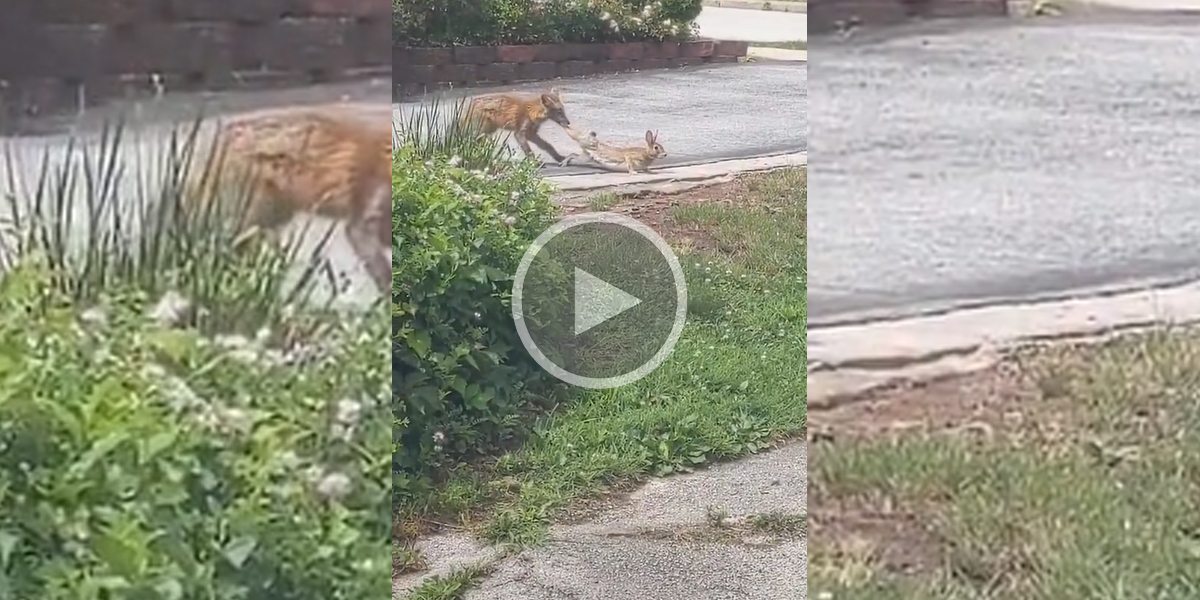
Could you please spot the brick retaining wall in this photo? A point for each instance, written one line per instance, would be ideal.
(53, 53)
(416, 70)
(823, 15)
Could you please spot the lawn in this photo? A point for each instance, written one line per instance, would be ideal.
(732, 386)
(1068, 472)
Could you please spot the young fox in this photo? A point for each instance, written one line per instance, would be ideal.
(633, 158)
(522, 114)
(329, 160)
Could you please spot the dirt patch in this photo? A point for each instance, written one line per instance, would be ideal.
(654, 209)
(883, 533)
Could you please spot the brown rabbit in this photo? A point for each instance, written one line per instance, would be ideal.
(633, 158)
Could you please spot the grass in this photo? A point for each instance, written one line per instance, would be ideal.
(1084, 483)
(732, 386)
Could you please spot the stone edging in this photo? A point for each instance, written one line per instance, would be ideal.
(766, 5)
(850, 360)
(417, 70)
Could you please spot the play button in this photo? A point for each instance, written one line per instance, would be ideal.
(599, 300)
(596, 301)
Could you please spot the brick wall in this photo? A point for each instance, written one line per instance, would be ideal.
(55, 52)
(417, 70)
(823, 15)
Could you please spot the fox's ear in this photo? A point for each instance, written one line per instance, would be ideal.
(649, 137)
(549, 101)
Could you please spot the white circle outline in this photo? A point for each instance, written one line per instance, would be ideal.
(600, 383)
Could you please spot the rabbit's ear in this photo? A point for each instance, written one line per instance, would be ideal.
(649, 137)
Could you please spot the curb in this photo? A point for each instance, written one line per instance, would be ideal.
(671, 177)
(764, 5)
(776, 54)
(847, 361)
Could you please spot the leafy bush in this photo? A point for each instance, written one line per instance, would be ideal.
(493, 22)
(461, 377)
(178, 419)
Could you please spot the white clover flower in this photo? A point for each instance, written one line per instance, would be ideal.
(646, 10)
(95, 315)
(510, 220)
(605, 16)
(455, 160)
(333, 486)
(170, 309)
(347, 411)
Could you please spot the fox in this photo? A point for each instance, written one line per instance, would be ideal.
(632, 158)
(329, 160)
(522, 114)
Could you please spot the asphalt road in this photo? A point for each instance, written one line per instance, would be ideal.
(1002, 163)
(701, 114)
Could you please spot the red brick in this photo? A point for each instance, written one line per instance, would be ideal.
(555, 53)
(497, 72)
(70, 51)
(246, 11)
(462, 74)
(107, 12)
(347, 8)
(662, 50)
(577, 68)
(734, 49)
(723, 59)
(696, 49)
(616, 66)
(516, 54)
(632, 51)
(474, 55)
(651, 64)
(428, 56)
(537, 71)
(592, 52)
(168, 48)
(372, 41)
(414, 73)
(296, 45)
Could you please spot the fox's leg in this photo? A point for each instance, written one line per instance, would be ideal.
(370, 235)
(523, 141)
(548, 148)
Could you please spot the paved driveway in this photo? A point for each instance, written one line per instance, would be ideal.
(702, 114)
(1003, 162)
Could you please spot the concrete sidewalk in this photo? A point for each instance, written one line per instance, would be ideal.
(661, 542)
(764, 5)
(752, 25)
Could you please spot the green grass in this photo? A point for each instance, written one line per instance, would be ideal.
(733, 385)
(1095, 493)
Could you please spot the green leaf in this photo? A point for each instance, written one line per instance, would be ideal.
(8, 544)
(239, 549)
(419, 342)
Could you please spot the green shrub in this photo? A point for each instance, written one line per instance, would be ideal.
(461, 376)
(179, 419)
(493, 22)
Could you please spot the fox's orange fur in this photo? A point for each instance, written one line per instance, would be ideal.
(522, 114)
(330, 160)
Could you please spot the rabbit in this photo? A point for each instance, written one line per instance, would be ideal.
(633, 158)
